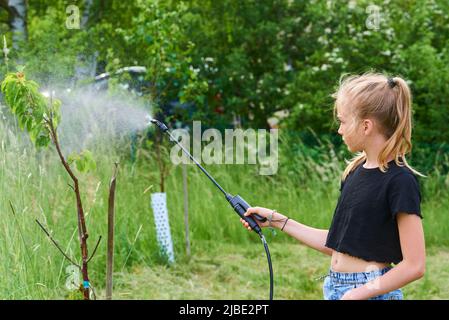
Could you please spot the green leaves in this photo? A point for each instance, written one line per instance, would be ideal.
(156, 36)
(32, 109)
(84, 161)
(35, 112)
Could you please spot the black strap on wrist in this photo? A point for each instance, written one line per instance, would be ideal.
(285, 223)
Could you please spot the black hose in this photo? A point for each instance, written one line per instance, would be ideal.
(270, 267)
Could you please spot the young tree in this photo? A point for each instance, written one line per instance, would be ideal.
(40, 117)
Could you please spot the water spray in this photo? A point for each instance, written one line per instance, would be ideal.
(239, 205)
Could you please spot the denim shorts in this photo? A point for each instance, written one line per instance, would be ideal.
(337, 283)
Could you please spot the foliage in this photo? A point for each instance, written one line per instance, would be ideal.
(52, 52)
(30, 107)
(252, 59)
(34, 111)
(152, 34)
(84, 161)
(289, 55)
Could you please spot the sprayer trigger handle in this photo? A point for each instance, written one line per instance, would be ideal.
(245, 206)
(241, 212)
(241, 206)
(259, 218)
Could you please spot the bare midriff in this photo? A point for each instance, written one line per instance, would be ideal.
(342, 262)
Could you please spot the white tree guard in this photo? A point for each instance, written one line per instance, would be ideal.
(159, 205)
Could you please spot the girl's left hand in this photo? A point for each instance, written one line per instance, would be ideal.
(349, 295)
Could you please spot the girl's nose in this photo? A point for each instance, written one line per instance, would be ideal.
(340, 132)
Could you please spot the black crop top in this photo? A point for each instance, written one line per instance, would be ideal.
(364, 223)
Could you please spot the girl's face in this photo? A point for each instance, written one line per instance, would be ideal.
(350, 129)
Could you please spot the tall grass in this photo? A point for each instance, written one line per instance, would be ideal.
(35, 183)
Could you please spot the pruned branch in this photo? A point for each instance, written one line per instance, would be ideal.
(110, 249)
(95, 250)
(56, 244)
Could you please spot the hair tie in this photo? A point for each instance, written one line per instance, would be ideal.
(391, 82)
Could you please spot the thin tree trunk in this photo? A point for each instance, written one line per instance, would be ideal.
(82, 230)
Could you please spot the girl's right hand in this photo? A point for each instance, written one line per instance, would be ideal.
(263, 212)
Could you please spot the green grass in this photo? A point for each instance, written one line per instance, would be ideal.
(230, 271)
(36, 184)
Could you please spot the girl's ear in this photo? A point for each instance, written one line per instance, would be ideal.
(368, 126)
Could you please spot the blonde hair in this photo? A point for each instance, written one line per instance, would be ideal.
(388, 101)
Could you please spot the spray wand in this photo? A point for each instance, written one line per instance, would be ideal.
(239, 205)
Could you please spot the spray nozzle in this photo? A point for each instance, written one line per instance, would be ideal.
(148, 119)
(161, 125)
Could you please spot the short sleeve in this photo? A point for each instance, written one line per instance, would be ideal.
(404, 195)
(342, 183)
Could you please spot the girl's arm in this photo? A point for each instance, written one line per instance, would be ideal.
(411, 268)
(311, 237)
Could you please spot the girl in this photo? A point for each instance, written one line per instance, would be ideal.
(377, 220)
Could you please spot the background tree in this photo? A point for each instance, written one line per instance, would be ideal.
(17, 20)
